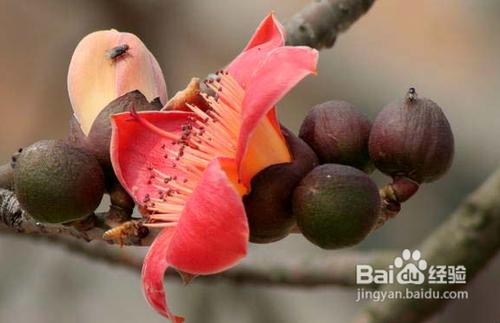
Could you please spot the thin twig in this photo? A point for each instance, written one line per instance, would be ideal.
(319, 23)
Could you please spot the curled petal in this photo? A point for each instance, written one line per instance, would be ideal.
(270, 31)
(212, 233)
(268, 36)
(153, 272)
(138, 151)
(283, 68)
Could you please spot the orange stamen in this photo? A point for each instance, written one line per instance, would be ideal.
(212, 133)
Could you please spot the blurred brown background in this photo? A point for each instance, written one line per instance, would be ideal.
(448, 49)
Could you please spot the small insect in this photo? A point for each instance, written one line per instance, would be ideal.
(117, 51)
(130, 231)
(412, 94)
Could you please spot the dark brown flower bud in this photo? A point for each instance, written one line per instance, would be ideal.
(98, 140)
(56, 182)
(268, 206)
(336, 206)
(338, 133)
(157, 103)
(412, 138)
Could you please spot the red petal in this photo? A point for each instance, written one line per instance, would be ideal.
(281, 71)
(268, 36)
(212, 233)
(269, 31)
(153, 272)
(135, 148)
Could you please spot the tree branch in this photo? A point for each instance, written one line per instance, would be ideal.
(6, 177)
(339, 269)
(13, 218)
(319, 23)
(469, 237)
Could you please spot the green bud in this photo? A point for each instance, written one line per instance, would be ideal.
(56, 182)
(336, 206)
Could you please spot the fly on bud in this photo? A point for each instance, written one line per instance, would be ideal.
(412, 138)
(106, 65)
(336, 206)
(56, 182)
(110, 72)
(338, 133)
(118, 51)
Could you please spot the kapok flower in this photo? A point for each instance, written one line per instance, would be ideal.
(189, 170)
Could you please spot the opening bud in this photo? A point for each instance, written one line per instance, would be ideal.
(107, 64)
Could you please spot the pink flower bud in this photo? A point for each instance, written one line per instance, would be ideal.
(107, 64)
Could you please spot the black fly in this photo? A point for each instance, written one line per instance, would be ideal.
(118, 51)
